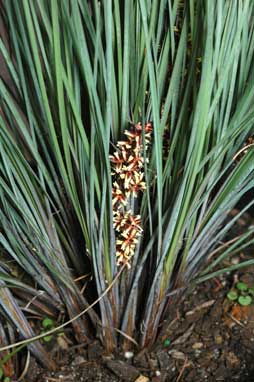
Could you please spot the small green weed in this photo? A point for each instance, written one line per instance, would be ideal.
(242, 294)
(47, 324)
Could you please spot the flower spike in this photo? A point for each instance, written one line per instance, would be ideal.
(127, 169)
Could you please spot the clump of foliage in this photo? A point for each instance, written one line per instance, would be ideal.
(83, 76)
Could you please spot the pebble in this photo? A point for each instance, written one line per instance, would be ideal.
(128, 354)
(177, 354)
(218, 340)
(197, 345)
(235, 260)
(123, 370)
(142, 378)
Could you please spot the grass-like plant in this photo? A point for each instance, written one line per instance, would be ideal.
(89, 81)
